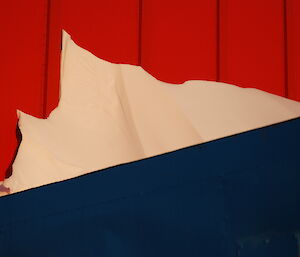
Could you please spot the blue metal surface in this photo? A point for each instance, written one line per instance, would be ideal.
(272, 245)
(197, 201)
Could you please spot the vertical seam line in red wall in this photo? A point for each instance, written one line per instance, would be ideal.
(218, 40)
(140, 23)
(46, 60)
(285, 40)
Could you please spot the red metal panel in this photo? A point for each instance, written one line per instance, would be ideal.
(22, 46)
(53, 56)
(293, 46)
(109, 29)
(252, 44)
(178, 42)
(178, 39)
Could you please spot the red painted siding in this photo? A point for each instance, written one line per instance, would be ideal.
(178, 39)
(252, 44)
(248, 43)
(293, 48)
(22, 68)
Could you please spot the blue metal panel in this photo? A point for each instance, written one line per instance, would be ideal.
(273, 246)
(196, 201)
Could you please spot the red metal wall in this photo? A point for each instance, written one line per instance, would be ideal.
(249, 43)
(293, 48)
(178, 39)
(22, 68)
(252, 44)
